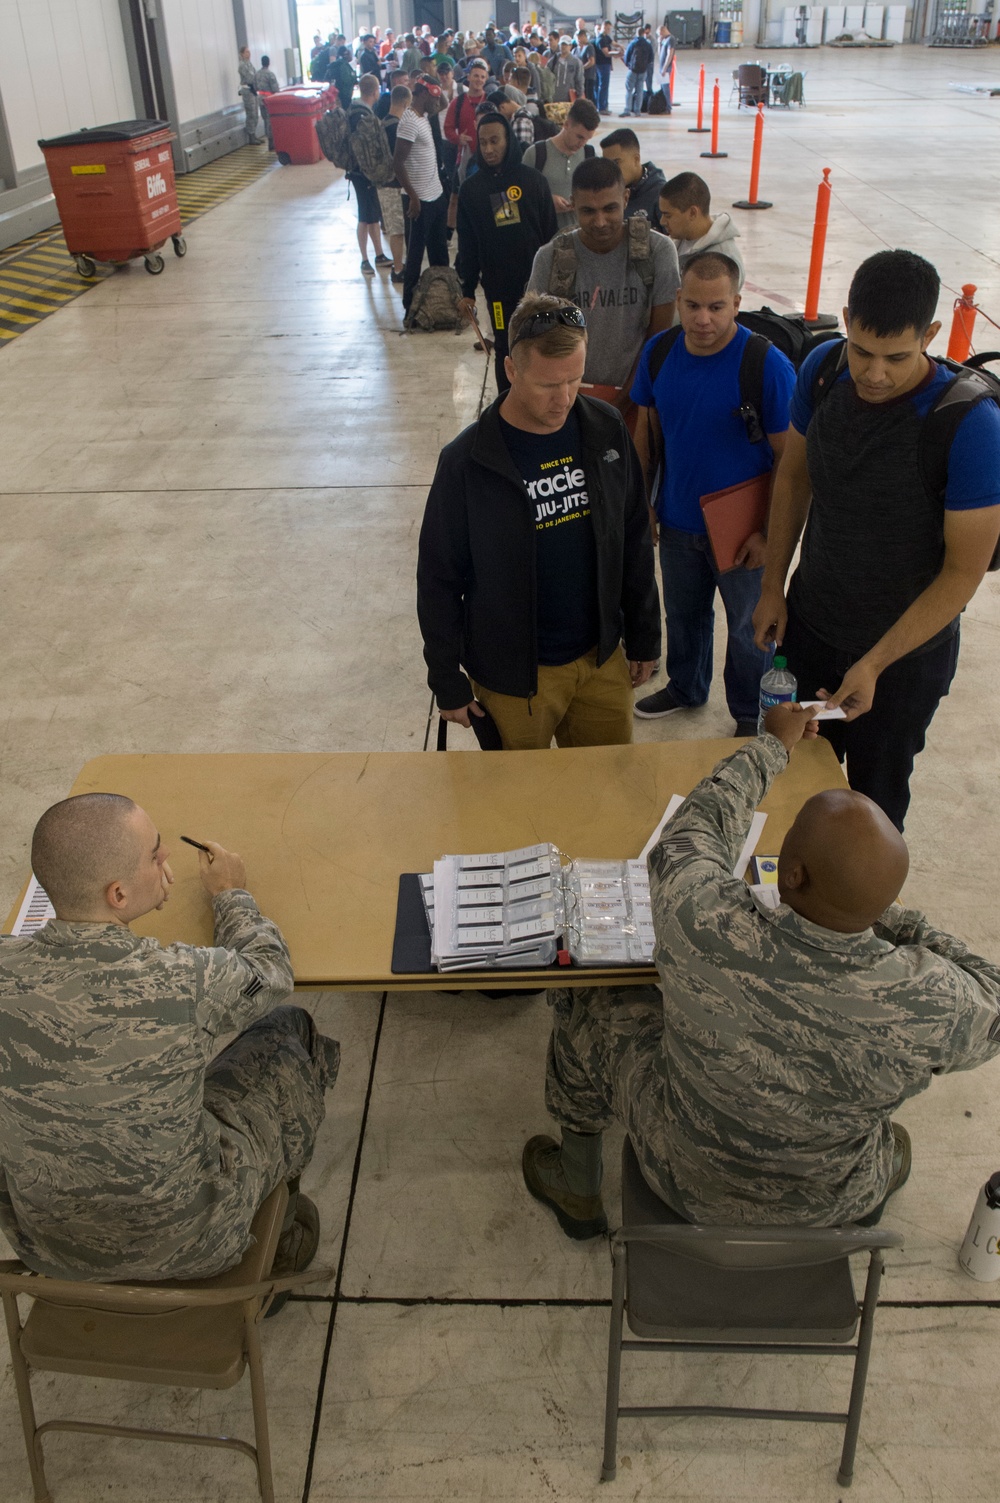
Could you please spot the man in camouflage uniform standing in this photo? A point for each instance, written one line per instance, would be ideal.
(757, 1085)
(266, 82)
(126, 1150)
(248, 94)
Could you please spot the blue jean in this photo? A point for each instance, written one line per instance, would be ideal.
(690, 580)
(603, 84)
(634, 84)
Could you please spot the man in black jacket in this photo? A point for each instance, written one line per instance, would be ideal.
(505, 213)
(535, 554)
(644, 180)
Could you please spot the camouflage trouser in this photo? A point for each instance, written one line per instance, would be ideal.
(606, 1064)
(269, 1085)
(252, 106)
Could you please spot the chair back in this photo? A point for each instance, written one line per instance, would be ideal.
(750, 76)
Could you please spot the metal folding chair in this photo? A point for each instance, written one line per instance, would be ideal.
(751, 84)
(198, 1334)
(737, 1289)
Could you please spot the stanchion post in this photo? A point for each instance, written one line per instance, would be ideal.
(715, 152)
(818, 248)
(673, 81)
(753, 202)
(960, 339)
(700, 128)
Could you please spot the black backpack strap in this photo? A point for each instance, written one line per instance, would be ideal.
(969, 389)
(541, 155)
(751, 408)
(661, 349)
(588, 151)
(828, 371)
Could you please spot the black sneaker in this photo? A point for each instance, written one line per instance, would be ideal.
(396, 278)
(383, 260)
(367, 268)
(655, 706)
(745, 728)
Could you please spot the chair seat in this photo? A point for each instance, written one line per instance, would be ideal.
(677, 1298)
(200, 1347)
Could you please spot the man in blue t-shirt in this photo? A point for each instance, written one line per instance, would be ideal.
(891, 555)
(691, 411)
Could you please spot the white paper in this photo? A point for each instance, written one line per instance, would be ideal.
(669, 813)
(756, 830)
(35, 911)
(822, 713)
(768, 894)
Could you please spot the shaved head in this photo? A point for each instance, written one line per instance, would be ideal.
(82, 845)
(842, 862)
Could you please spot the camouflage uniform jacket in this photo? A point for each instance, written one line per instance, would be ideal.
(109, 1164)
(787, 1045)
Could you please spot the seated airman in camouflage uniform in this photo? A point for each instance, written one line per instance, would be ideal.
(757, 1081)
(126, 1149)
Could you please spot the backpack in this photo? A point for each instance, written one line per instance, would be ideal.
(435, 301)
(971, 386)
(562, 277)
(542, 151)
(354, 141)
(789, 332)
(752, 361)
(642, 57)
(370, 145)
(658, 103)
(544, 130)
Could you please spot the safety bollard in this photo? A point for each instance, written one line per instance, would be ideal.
(818, 247)
(701, 128)
(960, 339)
(753, 202)
(715, 152)
(673, 81)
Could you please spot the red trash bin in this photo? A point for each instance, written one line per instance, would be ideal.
(293, 114)
(115, 192)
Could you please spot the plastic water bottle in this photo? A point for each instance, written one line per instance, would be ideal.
(777, 687)
(980, 1254)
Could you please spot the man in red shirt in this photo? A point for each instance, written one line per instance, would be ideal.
(460, 121)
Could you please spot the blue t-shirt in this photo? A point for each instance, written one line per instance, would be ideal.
(974, 457)
(706, 445)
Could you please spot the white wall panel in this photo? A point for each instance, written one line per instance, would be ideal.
(269, 30)
(62, 67)
(204, 60)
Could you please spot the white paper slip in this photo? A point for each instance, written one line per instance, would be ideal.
(492, 859)
(756, 830)
(822, 713)
(35, 911)
(527, 853)
(476, 897)
(768, 894)
(668, 814)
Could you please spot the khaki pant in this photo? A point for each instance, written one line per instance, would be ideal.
(579, 704)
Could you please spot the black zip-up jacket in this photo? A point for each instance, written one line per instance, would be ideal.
(502, 255)
(476, 579)
(644, 196)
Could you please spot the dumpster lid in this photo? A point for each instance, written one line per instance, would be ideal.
(121, 130)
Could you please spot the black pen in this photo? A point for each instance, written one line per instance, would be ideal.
(197, 845)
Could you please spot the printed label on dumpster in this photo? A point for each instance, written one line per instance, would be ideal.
(143, 164)
(87, 171)
(155, 186)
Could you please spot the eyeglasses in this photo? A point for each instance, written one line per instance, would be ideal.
(538, 323)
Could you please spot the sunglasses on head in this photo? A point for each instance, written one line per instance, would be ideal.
(538, 323)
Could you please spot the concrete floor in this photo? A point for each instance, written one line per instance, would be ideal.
(211, 489)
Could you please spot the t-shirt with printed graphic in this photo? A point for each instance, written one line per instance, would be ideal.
(615, 302)
(551, 466)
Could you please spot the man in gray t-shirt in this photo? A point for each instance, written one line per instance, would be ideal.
(558, 158)
(623, 275)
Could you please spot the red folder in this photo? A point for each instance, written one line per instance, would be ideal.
(733, 515)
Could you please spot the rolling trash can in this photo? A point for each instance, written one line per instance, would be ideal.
(115, 192)
(293, 114)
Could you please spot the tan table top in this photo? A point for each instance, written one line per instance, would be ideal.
(325, 837)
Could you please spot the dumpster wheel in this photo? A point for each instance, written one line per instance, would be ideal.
(86, 266)
(180, 245)
(284, 158)
(155, 264)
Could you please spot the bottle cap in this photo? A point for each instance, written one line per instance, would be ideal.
(993, 1192)
(779, 661)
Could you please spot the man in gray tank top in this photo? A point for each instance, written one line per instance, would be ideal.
(891, 553)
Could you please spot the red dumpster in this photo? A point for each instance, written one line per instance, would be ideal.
(293, 114)
(114, 189)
